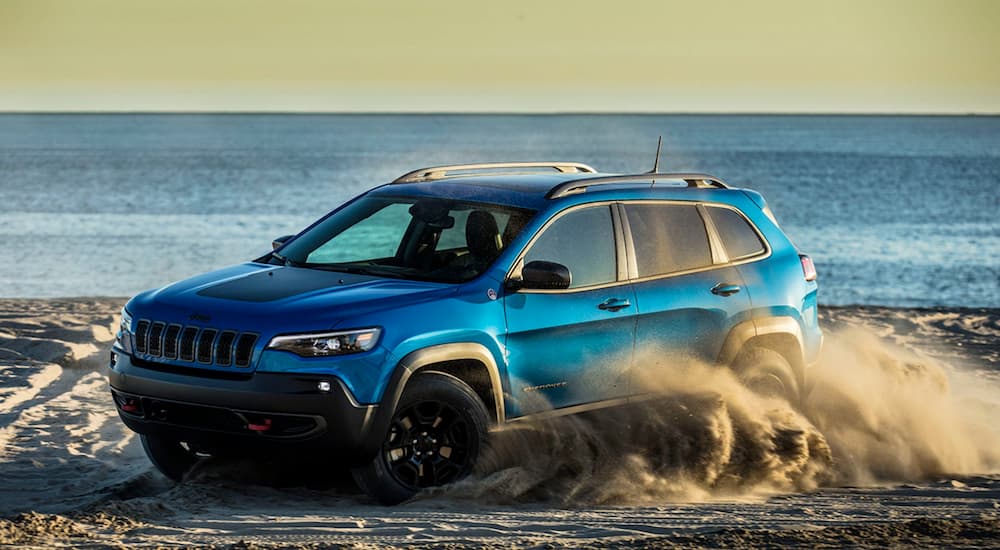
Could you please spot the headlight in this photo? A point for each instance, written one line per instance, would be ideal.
(324, 344)
(124, 330)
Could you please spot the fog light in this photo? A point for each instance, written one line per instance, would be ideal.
(323, 386)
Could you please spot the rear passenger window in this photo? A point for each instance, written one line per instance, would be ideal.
(668, 238)
(738, 236)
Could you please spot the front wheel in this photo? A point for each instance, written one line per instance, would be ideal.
(437, 432)
(172, 458)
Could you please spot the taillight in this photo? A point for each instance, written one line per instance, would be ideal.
(808, 268)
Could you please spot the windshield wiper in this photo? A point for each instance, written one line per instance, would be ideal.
(355, 269)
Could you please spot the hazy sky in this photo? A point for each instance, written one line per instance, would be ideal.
(582, 55)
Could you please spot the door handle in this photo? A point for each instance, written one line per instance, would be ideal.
(725, 289)
(614, 304)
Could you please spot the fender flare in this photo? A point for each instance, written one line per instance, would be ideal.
(745, 331)
(417, 360)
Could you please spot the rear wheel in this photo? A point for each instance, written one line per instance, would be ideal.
(436, 435)
(767, 372)
(172, 458)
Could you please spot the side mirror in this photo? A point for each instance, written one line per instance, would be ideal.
(542, 275)
(276, 243)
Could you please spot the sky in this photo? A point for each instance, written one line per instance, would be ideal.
(844, 56)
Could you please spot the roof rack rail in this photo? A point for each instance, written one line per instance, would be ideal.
(579, 185)
(432, 173)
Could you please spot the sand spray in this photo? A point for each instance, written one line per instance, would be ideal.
(877, 413)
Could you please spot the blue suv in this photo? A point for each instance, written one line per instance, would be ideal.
(399, 329)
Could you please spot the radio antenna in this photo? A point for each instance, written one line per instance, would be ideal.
(656, 162)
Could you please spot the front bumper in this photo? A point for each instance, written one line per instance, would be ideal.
(258, 410)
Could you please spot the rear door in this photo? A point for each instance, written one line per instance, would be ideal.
(574, 346)
(688, 295)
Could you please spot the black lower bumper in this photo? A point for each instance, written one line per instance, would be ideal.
(265, 411)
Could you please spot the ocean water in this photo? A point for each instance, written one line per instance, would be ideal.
(898, 211)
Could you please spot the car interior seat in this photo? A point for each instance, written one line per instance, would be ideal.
(482, 236)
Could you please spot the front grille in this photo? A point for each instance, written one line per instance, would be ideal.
(190, 344)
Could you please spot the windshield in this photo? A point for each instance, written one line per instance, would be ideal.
(433, 239)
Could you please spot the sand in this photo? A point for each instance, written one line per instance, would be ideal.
(898, 445)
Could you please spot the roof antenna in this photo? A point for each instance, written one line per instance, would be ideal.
(656, 163)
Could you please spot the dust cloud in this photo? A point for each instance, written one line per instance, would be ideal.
(877, 413)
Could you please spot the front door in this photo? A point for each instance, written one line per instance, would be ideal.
(574, 346)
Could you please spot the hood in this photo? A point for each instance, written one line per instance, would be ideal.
(272, 299)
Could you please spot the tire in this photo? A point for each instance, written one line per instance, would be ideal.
(767, 372)
(169, 456)
(437, 432)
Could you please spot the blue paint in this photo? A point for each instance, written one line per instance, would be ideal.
(555, 348)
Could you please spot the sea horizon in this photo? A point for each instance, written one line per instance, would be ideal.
(293, 112)
(895, 210)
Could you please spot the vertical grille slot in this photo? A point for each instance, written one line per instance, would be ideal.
(224, 348)
(187, 343)
(170, 341)
(156, 338)
(205, 342)
(141, 335)
(244, 349)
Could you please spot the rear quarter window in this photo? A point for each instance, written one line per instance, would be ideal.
(738, 236)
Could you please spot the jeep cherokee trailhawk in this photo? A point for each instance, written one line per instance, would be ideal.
(397, 330)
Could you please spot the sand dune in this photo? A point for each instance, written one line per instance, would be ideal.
(907, 454)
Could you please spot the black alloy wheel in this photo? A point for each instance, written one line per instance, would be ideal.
(428, 445)
(435, 437)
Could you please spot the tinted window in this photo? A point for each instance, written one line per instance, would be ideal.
(668, 238)
(583, 241)
(428, 238)
(738, 237)
(376, 236)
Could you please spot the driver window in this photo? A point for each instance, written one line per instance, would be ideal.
(583, 241)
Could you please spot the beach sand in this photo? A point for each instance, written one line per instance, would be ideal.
(898, 444)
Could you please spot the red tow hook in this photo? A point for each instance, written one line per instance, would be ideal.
(260, 427)
(130, 406)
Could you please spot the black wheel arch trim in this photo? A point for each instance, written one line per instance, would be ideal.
(746, 331)
(424, 358)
